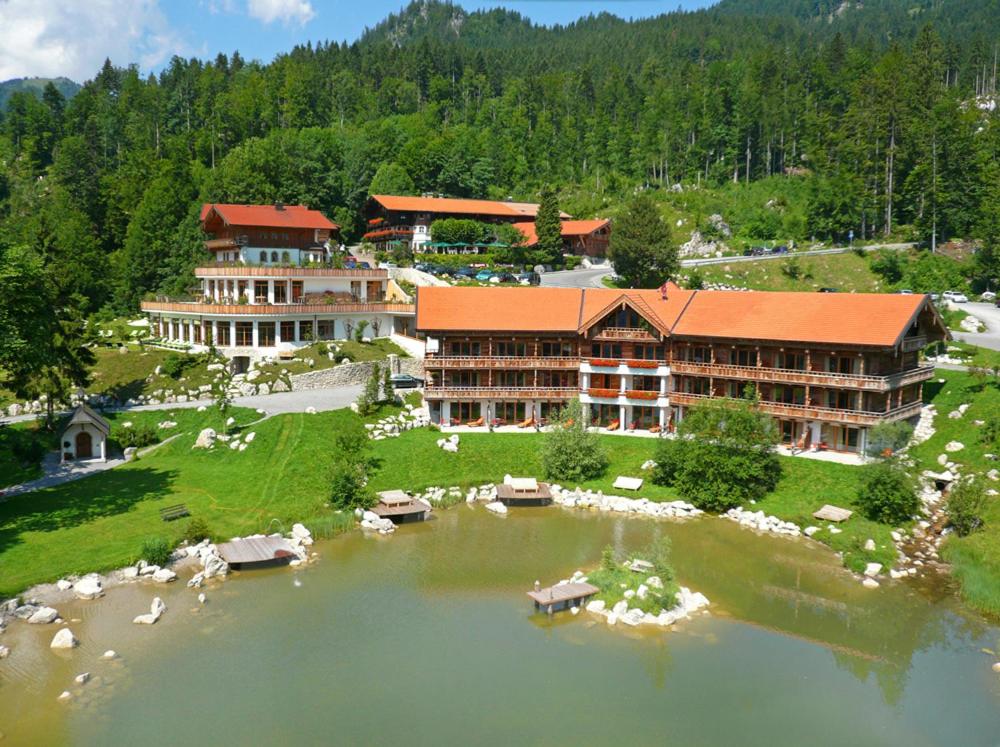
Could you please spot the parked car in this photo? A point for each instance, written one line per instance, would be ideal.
(405, 381)
(484, 275)
(905, 292)
(465, 272)
(387, 265)
(827, 290)
(955, 297)
(364, 266)
(988, 296)
(505, 277)
(528, 278)
(934, 297)
(780, 250)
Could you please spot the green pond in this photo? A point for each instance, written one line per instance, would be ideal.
(427, 637)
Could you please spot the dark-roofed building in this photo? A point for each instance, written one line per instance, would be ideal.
(826, 366)
(86, 435)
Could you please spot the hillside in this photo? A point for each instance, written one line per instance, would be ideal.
(35, 85)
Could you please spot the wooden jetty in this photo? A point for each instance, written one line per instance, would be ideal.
(524, 491)
(398, 507)
(561, 596)
(256, 551)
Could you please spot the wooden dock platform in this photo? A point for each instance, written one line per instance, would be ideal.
(562, 596)
(399, 507)
(258, 551)
(524, 491)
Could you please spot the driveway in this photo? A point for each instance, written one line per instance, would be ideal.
(581, 278)
(272, 404)
(989, 315)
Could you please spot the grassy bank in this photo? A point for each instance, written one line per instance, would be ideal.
(846, 272)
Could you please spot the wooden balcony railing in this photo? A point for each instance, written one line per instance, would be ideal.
(626, 333)
(501, 362)
(285, 271)
(795, 376)
(199, 307)
(500, 392)
(810, 412)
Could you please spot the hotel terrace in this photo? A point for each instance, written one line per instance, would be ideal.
(272, 287)
(827, 367)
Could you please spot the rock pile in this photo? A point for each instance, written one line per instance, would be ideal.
(620, 504)
(925, 425)
(688, 603)
(394, 425)
(761, 522)
(449, 444)
(156, 610)
(373, 522)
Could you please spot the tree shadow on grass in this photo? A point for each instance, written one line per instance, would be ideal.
(81, 501)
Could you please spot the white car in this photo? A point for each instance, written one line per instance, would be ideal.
(955, 297)
(987, 296)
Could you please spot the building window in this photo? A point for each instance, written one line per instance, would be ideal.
(263, 258)
(791, 361)
(274, 257)
(265, 334)
(244, 334)
(260, 291)
(470, 349)
(285, 258)
(280, 293)
(223, 335)
(606, 350)
(296, 291)
(326, 329)
(557, 349)
(511, 349)
(305, 331)
(746, 358)
(288, 331)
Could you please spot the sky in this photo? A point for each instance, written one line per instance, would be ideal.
(71, 38)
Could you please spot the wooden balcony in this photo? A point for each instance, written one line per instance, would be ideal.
(795, 376)
(809, 412)
(216, 244)
(501, 362)
(500, 392)
(240, 270)
(285, 309)
(626, 333)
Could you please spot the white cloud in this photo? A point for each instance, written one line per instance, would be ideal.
(73, 37)
(286, 11)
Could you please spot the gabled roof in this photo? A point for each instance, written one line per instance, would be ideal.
(829, 318)
(570, 229)
(509, 309)
(870, 319)
(84, 415)
(457, 206)
(268, 216)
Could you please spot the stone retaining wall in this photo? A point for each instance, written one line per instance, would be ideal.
(353, 373)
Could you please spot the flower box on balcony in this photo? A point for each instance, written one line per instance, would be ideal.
(612, 393)
(641, 394)
(644, 364)
(604, 362)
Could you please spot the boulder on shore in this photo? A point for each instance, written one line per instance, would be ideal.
(156, 610)
(64, 639)
(43, 616)
(88, 587)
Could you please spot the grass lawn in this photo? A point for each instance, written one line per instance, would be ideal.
(376, 350)
(846, 272)
(976, 558)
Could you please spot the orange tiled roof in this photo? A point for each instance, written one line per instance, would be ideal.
(823, 318)
(268, 216)
(828, 318)
(458, 206)
(570, 229)
(535, 309)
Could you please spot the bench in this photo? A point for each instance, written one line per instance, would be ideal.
(170, 513)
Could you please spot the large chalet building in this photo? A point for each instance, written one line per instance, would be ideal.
(400, 219)
(272, 287)
(827, 367)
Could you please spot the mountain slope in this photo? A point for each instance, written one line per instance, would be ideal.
(8, 88)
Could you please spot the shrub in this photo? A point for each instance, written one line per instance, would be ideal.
(174, 364)
(156, 551)
(989, 434)
(966, 502)
(197, 530)
(137, 436)
(887, 438)
(724, 455)
(348, 485)
(570, 452)
(359, 332)
(608, 562)
(658, 553)
(887, 493)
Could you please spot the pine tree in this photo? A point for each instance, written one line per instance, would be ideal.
(548, 229)
(641, 248)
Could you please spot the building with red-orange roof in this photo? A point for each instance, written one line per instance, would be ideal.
(827, 367)
(407, 220)
(274, 286)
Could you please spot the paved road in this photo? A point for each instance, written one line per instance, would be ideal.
(990, 316)
(807, 253)
(272, 404)
(580, 278)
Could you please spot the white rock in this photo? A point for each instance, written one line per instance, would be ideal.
(873, 569)
(250, 436)
(88, 587)
(156, 610)
(595, 605)
(497, 507)
(64, 585)
(65, 696)
(4, 652)
(202, 598)
(312, 410)
(164, 575)
(109, 655)
(206, 438)
(64, 639)
(870, 583)
(870, 545)
(953, 446)
(629, 593)
(43, 616)
(82, 679)
(810, 531)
